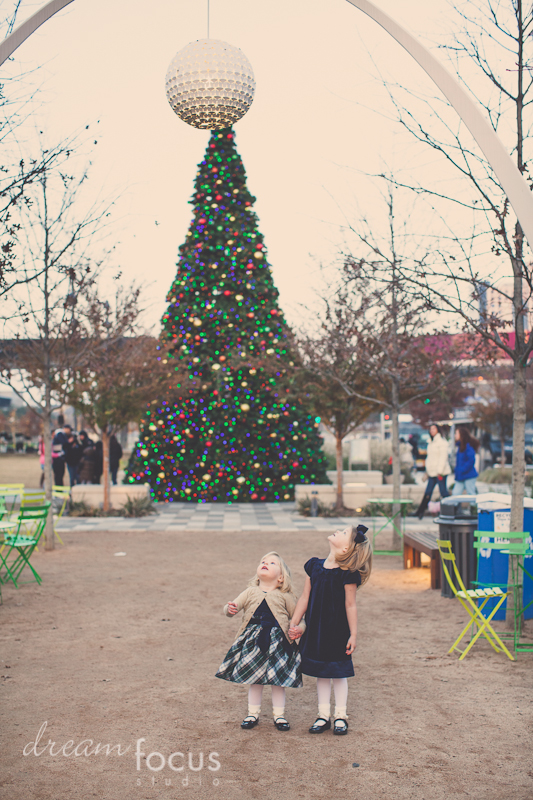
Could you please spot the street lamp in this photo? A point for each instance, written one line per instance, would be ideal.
(501, 162)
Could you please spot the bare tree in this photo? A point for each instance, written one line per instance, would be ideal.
(329, 363)
(481, 273)
(118, 372)
(41, 338)
(406, 360)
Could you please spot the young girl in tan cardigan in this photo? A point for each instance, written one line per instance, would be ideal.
(263, 652)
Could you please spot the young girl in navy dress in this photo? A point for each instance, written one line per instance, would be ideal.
(328, 601)
(263, 653)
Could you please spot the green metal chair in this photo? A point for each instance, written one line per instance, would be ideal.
(516, 550)
(20, 545)
(469, 599)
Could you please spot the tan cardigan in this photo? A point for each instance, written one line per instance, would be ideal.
(282, 605)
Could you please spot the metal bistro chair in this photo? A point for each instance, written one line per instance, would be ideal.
(517, 551)
(62, 495)
(20, 546)
(469, 599)
(9, 494)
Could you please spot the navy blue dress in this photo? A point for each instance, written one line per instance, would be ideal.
(323, 645)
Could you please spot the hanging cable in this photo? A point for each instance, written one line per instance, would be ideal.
(208, 19)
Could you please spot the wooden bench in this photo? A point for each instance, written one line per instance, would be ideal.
(416, 543)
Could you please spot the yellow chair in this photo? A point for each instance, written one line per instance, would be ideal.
(469, 599)
(61, 493)
(32, 497)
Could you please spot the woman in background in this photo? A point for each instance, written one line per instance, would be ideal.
(437, 468)
(465, 464)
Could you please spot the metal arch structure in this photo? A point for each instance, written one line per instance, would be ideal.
(508, 174)
(24, 31)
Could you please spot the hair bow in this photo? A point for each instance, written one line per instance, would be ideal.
(360, 536)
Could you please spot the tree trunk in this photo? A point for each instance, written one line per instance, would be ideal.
(520, 363)
(49, 538)
(105, 471)
(339, 504)
(396, 467)
(519, 470)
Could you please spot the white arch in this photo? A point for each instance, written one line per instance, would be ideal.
(20, 34)
(501, 162)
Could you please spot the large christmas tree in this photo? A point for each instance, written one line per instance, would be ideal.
(230, 428)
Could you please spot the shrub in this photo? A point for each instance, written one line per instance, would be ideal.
(133, 507)
(138, 507)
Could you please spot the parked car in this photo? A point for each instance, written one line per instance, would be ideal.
(496, 450)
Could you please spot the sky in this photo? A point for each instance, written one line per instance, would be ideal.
(319, 123)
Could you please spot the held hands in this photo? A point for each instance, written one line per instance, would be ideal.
(295, 632)
(232, 609)
(350, 647)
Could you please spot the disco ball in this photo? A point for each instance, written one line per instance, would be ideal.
(210, 84)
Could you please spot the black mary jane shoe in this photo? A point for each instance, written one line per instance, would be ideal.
(340, 729)
(316, 728)
(282, 724)
(249, 722)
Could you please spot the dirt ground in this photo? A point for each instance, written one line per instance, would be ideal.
(20, 468)
(116, 649)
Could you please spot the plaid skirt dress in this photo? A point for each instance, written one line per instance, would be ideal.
(262, 654)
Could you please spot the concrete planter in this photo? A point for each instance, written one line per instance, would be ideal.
(389, 479)
(373, 477)
(93, 494)
(357, 495)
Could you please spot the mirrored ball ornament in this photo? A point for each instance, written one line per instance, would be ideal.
(210, 84)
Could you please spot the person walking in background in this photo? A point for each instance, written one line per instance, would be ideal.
(40, 450)
(59, 445)
(72, 455)
(98, 461)
(87, 461)
(465, 464)
(115, 454)
(437, 468)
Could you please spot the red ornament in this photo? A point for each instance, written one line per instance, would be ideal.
(218, 197)
(227, 293)
(208, 444)
(295, 464)
(254, 496)
(202, 221)
(259, 246)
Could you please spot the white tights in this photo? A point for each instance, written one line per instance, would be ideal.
(255, 695)
(340, 689)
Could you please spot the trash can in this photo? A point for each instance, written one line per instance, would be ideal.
(457, 522)
(495, 516)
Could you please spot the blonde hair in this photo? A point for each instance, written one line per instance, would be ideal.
(286, 584)
(358, 557)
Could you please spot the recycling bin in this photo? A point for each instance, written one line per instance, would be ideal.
(457, 522)
(495, 517)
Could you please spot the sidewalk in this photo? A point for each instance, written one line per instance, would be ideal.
(253, 517)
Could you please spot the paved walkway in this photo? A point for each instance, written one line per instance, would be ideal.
(251, 517)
